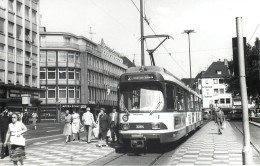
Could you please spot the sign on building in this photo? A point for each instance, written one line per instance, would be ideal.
(26, 99)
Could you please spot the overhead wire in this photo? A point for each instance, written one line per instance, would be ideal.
(159, 39)
(253, 33)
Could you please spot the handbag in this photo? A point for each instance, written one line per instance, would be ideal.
(96, 130)
(94, 124)
(224, 125)
(15, 140)
(81, 128)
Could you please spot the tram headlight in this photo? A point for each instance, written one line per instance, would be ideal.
(156, 126)
(125, 118)
(125, 126)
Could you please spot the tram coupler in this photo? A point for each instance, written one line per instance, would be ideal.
(138, 141)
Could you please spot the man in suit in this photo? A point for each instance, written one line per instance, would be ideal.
(4, 123)
(88, 121)
(113, 117)
(219, 119)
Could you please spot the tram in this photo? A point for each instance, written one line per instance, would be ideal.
(155, 105)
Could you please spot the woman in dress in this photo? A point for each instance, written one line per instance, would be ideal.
(34, 119)
(15, 132)
(67, 127)
(75, 125)
(103, 126)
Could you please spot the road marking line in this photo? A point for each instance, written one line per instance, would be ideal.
(51, 131)
(30, 139)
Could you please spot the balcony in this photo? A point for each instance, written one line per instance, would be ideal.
(60, 45)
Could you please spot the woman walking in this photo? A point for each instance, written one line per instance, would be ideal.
(67, 127)
(34, 119)
(75, 125)
(103, 127)
(15, 132)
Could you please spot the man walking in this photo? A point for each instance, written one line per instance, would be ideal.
(4, 123)
(219, 119)
(88, 121)
(113, 117)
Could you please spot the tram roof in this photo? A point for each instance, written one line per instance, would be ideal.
(167, 76)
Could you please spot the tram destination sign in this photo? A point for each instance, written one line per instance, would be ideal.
(140, 77)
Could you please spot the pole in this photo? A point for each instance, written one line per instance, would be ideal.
(142, 33)
(189, 56)
(247, 152)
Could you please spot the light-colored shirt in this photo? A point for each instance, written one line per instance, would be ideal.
(113, 116)
(88, 118)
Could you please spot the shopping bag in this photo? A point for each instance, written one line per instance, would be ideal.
(81, 128)
(109, 134)
(224, 125)
(96, 131)
(15, 140)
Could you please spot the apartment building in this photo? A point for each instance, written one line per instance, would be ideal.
(19, 55)
(75, 73)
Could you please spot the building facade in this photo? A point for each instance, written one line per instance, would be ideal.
(19, 55)
(212, 87)
(75, 73)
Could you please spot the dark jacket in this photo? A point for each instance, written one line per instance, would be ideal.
(4, 123)
(103, 122)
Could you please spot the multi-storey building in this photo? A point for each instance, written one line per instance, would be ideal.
(212, 86)
(19, 54)
(76, 73)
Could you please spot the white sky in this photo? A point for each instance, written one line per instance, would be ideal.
(118, 23)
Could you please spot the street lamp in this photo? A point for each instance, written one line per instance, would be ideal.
(188, 33)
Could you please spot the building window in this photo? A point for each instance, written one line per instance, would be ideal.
(11, 5)
(71, 58)
(221, 81)
(34, 16)
(19, 56)
(19, 9)
(10, 77)
(51, 56)
(77, 74)
(62, 56)
(2, 25)
(216, 101)
(62, 92)
(215, 81)
(10, 29)
(227, 100)
(71, 74)
(27, 13)
(222, 101)
(67, 39)
(51, 73)
(221, 91)
(78, 92)
(2, 76)
(34, 38)
(62, 73)
(219, 72)
(19, 32)
(27, 36)
(71, 92)
(77, 58)
(27, 80)
(10, 53)
(215, 91)
(42, 73)
(51, 92)
(19, 78)
(43, 56)
(207, 81)
(34, 81)
(43, 92)
(34, 60)
(2, 4)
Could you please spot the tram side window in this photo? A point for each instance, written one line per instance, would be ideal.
(170, 91)
(180, 99)
(197, 107)
(191, 102)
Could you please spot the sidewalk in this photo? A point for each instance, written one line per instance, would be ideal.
(206, 147)
(74, 153)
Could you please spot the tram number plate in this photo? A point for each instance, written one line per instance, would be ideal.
(139, 126)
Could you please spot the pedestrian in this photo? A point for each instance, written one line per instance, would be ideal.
(4, 123)
(103, 126)
(113, 123)
(67, 128)
(88, 120)
(15, 132)
(75, 124)
(219, 119)
(34, 119)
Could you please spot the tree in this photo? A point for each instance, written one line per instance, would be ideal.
(252, 74)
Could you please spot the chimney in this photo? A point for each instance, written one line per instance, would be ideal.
(226, 62)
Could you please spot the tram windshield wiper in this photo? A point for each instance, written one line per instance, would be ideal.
(156, 107)
(124, 108)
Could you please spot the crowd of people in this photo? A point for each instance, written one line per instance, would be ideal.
(99, 128)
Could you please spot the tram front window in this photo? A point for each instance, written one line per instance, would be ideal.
(141, 99)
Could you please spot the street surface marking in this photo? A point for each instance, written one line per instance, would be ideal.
(52, 131)
(30, 139)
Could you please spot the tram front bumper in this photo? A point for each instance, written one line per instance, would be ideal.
(138, 141)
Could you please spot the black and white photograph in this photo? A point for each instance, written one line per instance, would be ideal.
(129, 82)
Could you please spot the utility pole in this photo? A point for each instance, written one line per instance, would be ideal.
(142, 33)
(91, 33)
(188, 33)
(247, 152)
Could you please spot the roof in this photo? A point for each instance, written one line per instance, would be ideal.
(187, 81)
(127, 62)
(211, 72)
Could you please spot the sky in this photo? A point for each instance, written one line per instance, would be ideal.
(118, 23)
